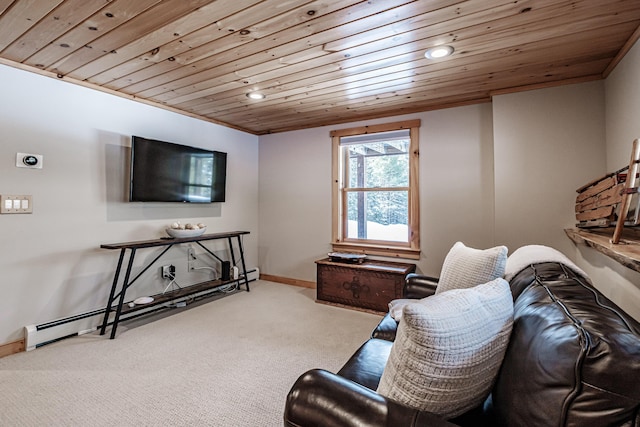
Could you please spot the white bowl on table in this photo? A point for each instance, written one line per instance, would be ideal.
(179, 233)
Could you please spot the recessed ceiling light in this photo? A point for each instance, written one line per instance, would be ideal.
(438, 52)
(256, 95)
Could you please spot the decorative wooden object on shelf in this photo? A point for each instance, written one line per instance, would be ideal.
(596, 201)
(629, 189)
(607, 200)
(369, 285)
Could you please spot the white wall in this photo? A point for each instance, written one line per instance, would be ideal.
(543, 144)
(295, 202)
(50, 260)
(622, 87)
(547, 144)
(456, 190)
(623, 109)
(456, 182)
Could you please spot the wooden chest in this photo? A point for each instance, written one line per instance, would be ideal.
(370, 285)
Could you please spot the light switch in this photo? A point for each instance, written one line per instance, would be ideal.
(22, 204)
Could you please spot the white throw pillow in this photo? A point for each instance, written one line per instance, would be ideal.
(466, 267)
(449, 348)
(397, 305)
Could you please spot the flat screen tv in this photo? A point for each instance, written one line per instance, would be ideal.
(167, 172)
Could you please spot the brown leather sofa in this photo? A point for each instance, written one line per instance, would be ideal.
(573, 359)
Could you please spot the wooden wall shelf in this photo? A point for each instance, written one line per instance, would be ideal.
(627, 252)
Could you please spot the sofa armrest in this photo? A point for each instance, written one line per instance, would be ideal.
(419, 286)
(320, 398)
(386, 329)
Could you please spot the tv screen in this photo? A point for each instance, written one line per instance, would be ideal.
(167, 172)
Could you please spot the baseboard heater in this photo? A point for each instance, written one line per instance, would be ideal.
(79, 324)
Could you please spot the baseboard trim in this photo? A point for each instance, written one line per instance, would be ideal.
(288, 281)
(11, 348)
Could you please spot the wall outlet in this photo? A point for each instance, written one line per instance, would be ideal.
(168, 272)
(191, 256)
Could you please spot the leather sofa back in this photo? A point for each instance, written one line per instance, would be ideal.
(573, 357)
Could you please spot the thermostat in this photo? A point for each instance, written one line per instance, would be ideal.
(31, 161)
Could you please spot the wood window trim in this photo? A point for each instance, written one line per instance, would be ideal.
(410, 250)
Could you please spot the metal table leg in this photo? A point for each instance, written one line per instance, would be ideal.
(244, 266)
(112, 293)
(123, 292)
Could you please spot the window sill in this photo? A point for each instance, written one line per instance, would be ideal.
(627, 252)
(387, 251)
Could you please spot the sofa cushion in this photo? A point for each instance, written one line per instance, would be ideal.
(465, 267)
(449, 348)
(573, 358)
(527, 255)
(396, 307)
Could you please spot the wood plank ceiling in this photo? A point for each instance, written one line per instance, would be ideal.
(319, 62)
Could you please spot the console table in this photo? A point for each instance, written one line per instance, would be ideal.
(168, 243)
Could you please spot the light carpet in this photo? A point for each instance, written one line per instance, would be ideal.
(229, 362)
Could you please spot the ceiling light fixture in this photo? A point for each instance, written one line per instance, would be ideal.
(256, 95)
(438, 52)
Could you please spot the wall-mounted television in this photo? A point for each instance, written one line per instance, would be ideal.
(167, 172)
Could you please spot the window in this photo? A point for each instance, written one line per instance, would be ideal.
(375, 190)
